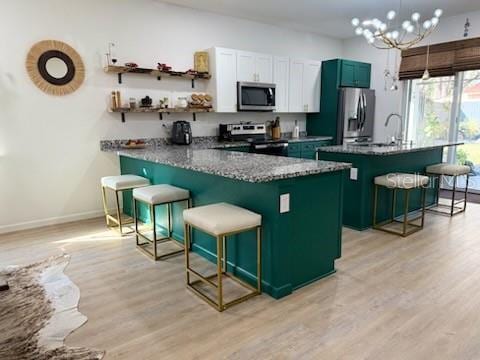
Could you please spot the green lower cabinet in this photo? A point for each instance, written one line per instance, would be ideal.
(307, 149)
(358, 194)
(298, 247)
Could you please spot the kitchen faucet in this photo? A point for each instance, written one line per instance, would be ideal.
(399, 137)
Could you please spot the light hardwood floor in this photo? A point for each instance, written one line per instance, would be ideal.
(391, 298)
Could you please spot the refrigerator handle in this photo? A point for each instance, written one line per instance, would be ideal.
(359, 112)
(364, 110)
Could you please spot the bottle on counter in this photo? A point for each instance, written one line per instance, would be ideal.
(296, 131)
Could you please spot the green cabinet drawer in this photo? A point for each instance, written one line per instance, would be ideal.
(309, 146)
(309, 155)
(294, 147)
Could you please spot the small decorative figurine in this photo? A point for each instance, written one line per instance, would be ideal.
(201, 61)
(164, 67)
(131, 65)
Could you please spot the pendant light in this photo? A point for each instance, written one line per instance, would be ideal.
(426, 74)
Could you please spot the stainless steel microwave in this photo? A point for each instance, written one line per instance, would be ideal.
(255, 96)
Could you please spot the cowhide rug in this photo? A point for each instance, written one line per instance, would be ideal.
(39, 311)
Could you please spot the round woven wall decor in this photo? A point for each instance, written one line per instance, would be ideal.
(55, 67)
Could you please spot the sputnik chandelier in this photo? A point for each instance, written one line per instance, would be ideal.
(396, 34)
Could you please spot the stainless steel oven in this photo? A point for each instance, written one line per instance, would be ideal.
(255, 96)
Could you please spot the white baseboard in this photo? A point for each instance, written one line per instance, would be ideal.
(50, 221)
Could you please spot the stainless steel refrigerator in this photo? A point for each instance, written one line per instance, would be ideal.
(356, 115)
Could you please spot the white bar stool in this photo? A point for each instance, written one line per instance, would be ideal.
(221, 220)
(452, 170)
(405, 182)
(118, 184)
(154, 195)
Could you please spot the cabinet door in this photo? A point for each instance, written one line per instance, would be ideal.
(226, 78)
(295, 95)
(264, 68)
(281, 79)
(347, 77)
(311, 86)
(362, 75)
(245, 66)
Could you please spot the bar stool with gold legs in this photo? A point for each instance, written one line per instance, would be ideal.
(118, 184)
(220, 221)
(154, 196)
(436, 172)
(407, 183)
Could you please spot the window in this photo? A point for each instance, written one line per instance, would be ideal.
(447, 109)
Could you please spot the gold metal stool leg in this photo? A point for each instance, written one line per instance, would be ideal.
(259, 259)
(375, 199)
(105, 207)
(155, 240)
(221, 263)
(220, 242)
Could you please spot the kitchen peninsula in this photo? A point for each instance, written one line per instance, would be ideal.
(371, 160)
(301, 236)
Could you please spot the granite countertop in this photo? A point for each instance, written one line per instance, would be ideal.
(373, 149)
(249, 167)
(204, 142)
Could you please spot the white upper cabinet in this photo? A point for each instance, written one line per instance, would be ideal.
(264, 68)
(311, 86)
(281, 66)
(295, 95)
(254, 67)
(304, 94)
(223, 85)
(297, 80)
(246, 66)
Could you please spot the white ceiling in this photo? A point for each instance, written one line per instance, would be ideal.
(328, 17)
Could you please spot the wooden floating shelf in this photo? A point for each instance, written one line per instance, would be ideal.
(120, 70)
(140, 110)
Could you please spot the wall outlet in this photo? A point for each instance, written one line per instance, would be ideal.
(284, 203)
(353, 173)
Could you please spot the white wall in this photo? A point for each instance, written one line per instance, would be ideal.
(449, 29)
(50, 163)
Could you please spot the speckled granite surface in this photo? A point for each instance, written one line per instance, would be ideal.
(203, 142)
(235, 165)
(383, 150)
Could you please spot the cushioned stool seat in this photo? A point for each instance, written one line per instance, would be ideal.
(123, 182)
(159, 194)
(438, 171)
(221, 218)
(448, 169)
(401, 181)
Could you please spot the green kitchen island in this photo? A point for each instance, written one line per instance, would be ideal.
(371, 160)
(301, 239)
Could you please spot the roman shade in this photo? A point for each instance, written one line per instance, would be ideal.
(444, 59)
